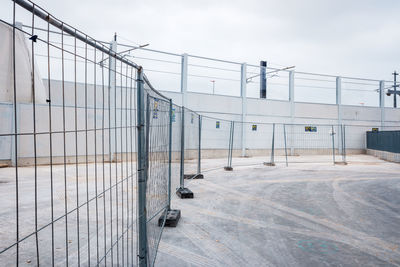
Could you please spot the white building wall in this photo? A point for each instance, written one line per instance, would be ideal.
(214, 108)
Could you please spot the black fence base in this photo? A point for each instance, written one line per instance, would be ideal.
(184, 193)
(227, 168)
(269, 164)
(193, 176)
(171, 218)
(340, 163)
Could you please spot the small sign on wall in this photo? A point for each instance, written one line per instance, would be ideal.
(254, 127)
(217, 124)
(155, 109)
(375, 130)
(310, 129)
(173, 114)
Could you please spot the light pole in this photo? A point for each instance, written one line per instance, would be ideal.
(394, 90)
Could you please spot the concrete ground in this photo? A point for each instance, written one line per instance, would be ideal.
(306, 214)
(310, 213)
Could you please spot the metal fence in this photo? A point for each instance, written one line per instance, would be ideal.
(83, 204)
(384, 141)
(156, 175)
(176, 180)
(280, 143)
(191, 143)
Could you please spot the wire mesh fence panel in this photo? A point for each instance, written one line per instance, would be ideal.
(73, 203)
(176, 147)
(259, 140)
(309, 143)
(237, 140)
(191, 143)
(356, 138)
(339, 144)
(215, 135)
(157, 142)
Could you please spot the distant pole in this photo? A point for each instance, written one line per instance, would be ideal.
(243, 94)
(382, 102)
(112, 83)
(395, 89)
(213, 82)
(263, 79)
(184, 79)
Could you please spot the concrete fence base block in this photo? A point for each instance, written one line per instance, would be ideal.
(227, 168)
(193, 176)
(340, 163)
(269, 164)
(171, 218)
(184, 193)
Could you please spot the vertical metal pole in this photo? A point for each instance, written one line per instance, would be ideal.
(395, 89)
(184, 79)
(344, 143)
(16, 142)
(182, 149)
(199, 149)
(112, 84)
(16, 106)
(382, 102)
(284, 136)
(230, 145)
(333, 144)
(263, 79)
(243, 93)
(16, 138)
(292, 108)
(142, 165)
(170, 155)
(233, 132)
(273, 145)
(339, 102)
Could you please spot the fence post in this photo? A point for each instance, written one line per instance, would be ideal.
(184, 79)
(171, 217)
(15, 113)
(292, 109)
(15, 139)
(344, 144)
(182, 170)
(199, 175)
(333, 144)
(170, 154)
(284, 136)
(229, 166)
(112, 78)
(382, 102)
(339, 103)
(142, 173)
(243, 94)
(272, 160)
(183, 192)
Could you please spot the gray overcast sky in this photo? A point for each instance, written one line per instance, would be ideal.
(353, 38)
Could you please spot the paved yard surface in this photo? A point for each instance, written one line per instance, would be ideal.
(307, 214)
(310, 213)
